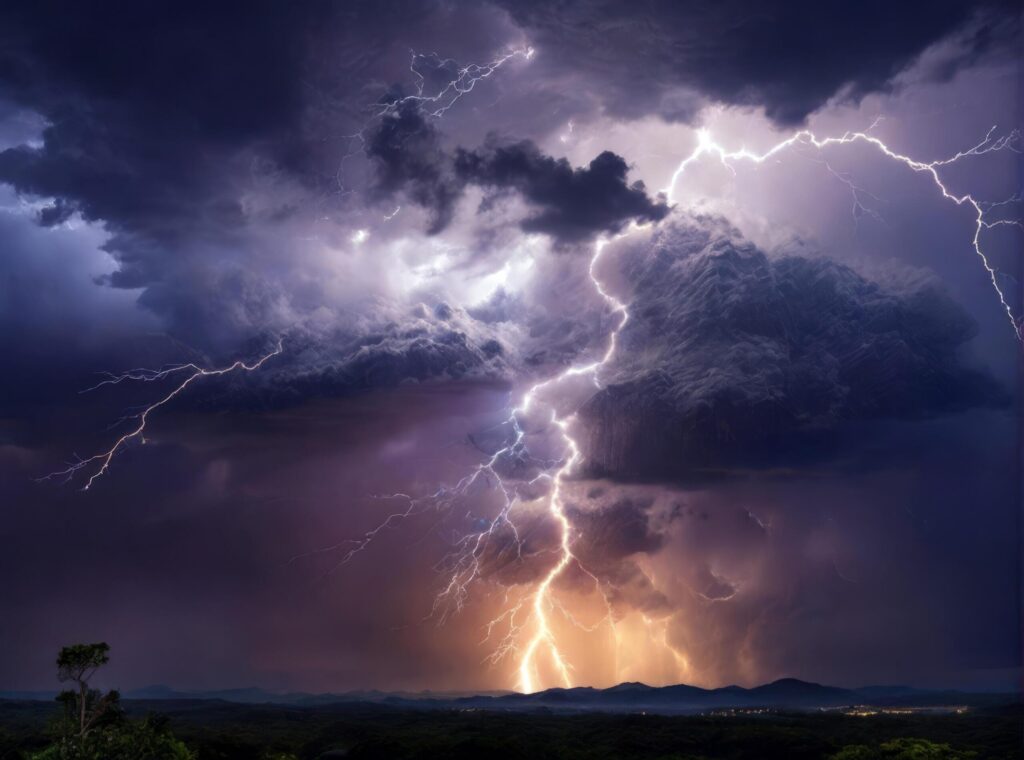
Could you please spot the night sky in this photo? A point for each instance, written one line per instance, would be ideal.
(790, 381)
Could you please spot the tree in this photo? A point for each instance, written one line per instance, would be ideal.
(78, 663)
(94, 726)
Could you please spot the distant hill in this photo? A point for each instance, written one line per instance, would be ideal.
(255, 695)
(786, 693)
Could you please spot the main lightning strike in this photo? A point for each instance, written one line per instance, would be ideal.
(530, 629)
(464, 564)
(706, 145)
(192, 372)
(542, 601)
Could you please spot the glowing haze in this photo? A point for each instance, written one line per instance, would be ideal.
(439, 390)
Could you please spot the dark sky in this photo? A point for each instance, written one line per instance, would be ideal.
(800, 459)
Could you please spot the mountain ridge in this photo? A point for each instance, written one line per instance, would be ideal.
(784, 693)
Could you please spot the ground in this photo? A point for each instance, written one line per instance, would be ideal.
(227, 731)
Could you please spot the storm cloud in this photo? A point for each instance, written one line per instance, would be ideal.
(205, 142)
(659, 56)
(735, 358)
(146, 108)
(569, 204)
(798, 463)
(572, 204)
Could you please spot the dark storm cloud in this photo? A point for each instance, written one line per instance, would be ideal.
(408, 159)
(787, 56)
(58, 327)
(733, 358)
(438, 344)
(630, 588)
(147, 104)
(152, 109)
(205, 140)
(199, 141)
(426, 346)
(194, 136)
(158, 117)
(571, 204)
(152, 117)
(611, 531)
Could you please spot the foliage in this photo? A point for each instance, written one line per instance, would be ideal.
(93, 726)
(217, 730)
(79, 661)
(148, 739)
(88, 707)
(903, 749)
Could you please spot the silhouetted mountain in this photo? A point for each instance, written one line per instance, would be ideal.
(256, 695)
(786, 693)
(790, 691)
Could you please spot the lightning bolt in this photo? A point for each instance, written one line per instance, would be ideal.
(466, 78)
(530, 617)
(189, 373)
(708, 146)
(542, 597)
(536, 630)
(465, 563)
(464, 81)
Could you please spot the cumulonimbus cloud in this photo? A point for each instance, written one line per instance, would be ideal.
(732, 357)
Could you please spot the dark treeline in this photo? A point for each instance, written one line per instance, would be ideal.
(214, 730)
